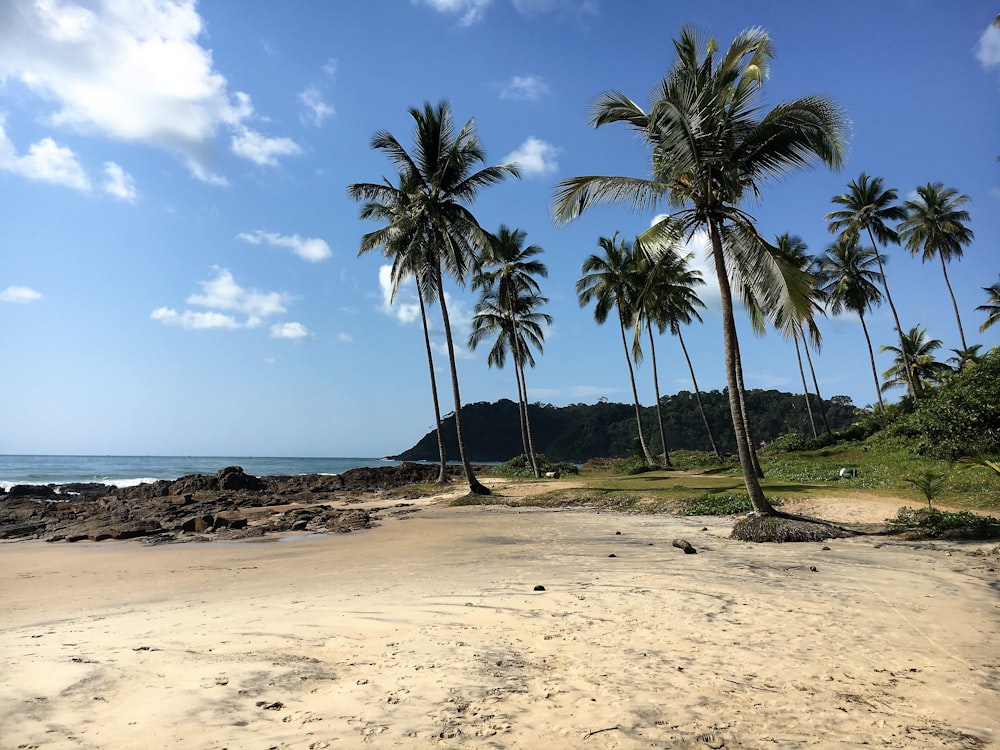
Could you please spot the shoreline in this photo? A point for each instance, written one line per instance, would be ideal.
(427, 630)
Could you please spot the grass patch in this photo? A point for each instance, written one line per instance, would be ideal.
(725, 504)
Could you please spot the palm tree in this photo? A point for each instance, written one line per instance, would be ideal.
(401, 241)
(609, 282)
(848, 280)
(966, 358)
(867, 206)
(935, 225)
(992, 306)
(712, 147)
(507, 280)
(917, 352)
(443, 175)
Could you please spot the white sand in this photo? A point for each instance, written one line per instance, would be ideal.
(425, 632)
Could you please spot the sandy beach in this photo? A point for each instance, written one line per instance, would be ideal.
(427, 631)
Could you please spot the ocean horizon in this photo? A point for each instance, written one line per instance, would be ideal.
(125, 471)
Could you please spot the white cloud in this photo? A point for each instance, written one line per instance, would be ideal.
(406, 307)
(470, 11)
(534, 157)
(129, 71)
(528, 88)
(536, 7)
(307, 248)
(46, 161)
(316, 109)
(988, 49)
(330, 67)
(699, 259)
(21, 295)
(345, 338)
(260, 149)
(292, 331)
(192, 321)
(223, 293)
(118, 182)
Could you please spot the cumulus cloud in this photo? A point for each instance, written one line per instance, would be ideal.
(46, 161)
(316, 110)
(292, 331)
(118, 182)
(130, 71)
(525, 88)
(405, 307)
(468, 11)
(20, 295)
(534, 157)
(192, 320)
(307, 248)
(988, 49)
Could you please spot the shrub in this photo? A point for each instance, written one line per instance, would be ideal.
(520, 466)
(723, 504)
(931, 523)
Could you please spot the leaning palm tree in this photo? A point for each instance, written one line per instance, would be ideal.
(849, 281)
(444, 174)
(507, 274)
(992, 306)
(867, 207)
(713, 147)
(401, 241)
(609, 281)
(935, 225)
(917, 353)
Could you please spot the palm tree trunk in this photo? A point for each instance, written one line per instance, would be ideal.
(520, 410)
(871, 356)
(805, 388)
(656, 387)
(895, 317)
(635, 393)
(961, 331)
(443, 473)
(522, 391)
(819, 397)
(697, 395)
(527, 428)
(475, 487)
(746, 414)
(729, 342)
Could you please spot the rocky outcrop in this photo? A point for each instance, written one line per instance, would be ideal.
(229, 504)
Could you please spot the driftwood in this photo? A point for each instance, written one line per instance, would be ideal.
(685, 545)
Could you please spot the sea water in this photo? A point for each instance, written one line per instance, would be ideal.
(125, 471)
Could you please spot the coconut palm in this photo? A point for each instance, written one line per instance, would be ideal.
(609, 281)
(506, 278)
(992, 306)
(966, 358)
(918, 354)
(867, 206)
(712, 147)
(935, 225)
(402, 242)
(849, 281)
(444, 174)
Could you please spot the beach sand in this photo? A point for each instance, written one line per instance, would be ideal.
(427, 632)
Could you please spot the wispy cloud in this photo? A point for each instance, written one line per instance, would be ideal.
(316, 110)
(19, 295)
(535, 158)
(468, 11)
(119, 183)
(537, 7)
(988, 49)
(311, 249)
(291, 331)
(524, 88)
(132, 71)
(193, 320)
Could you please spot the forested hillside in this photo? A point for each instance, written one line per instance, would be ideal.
(581, 431)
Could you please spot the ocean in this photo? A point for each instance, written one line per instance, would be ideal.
(125, 471)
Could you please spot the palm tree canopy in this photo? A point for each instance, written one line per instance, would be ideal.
(935, 223)
(493, 318)
(508, 265)
(992, 306)
(849, 276)
(609, 280)
(925, 370)
(867, 206)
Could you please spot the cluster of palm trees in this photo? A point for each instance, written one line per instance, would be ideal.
(713, 149)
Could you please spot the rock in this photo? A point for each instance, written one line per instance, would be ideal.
(31, 490)
(234, 478)
(539, 587)
(685, 545)
(198, 524)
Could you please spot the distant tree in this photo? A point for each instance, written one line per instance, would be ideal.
(992, 306)
(867, 206)
(935, 225)
(918, 354)
(443, 174)
(609, 281)
(966, 358)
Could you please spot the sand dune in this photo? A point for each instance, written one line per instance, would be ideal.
(427, 632)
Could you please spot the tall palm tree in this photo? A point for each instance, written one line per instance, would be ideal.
(444, 173)
(518, 328)
(507, 273)
(713, 147)
(917, 353)
(609, 281)
(935, 225)
(401, 241)
(992, 306)
(867, 206)
(849, 280)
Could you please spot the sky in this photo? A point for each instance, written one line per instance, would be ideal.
(179, 270)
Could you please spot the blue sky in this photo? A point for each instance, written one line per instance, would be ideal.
(178, 270)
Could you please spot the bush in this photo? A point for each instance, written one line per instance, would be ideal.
(631, 465)
(790, 441)
(520, 466)
(931, 523)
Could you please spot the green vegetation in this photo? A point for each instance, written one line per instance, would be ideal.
(521, 467)
(724, 504)
(931, 523)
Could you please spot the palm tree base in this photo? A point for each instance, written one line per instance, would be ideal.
(477, 488)
(780, 527)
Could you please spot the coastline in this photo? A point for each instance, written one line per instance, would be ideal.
(427, 630)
